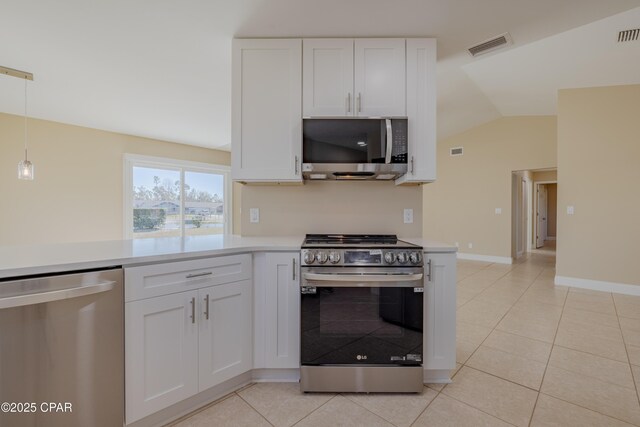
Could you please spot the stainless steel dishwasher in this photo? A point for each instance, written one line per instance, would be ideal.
(62, 350)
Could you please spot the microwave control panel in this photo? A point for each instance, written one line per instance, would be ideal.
(399, 149)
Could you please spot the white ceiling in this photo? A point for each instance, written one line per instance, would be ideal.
(162, 68)
(525, 81)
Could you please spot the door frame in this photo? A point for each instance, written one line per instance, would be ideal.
(534, 222)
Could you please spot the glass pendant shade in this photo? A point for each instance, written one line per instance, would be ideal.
(25, 170)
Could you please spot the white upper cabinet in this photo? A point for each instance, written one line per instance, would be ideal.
(347, 77)
(266, 110)
(379, 66)
(421, 111)
(327, 77)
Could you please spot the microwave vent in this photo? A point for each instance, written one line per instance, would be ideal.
(456, 151)
(628, 35)
(490, 45)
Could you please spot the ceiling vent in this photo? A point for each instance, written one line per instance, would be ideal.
(490, 45)
(628, 35)
(456, 151)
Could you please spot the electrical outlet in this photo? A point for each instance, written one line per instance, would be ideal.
(498, 211)
(470, 245)
(570, 210)
(457, 245)
(408, 216)
(254, 215)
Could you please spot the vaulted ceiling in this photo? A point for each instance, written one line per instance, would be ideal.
(162, 68)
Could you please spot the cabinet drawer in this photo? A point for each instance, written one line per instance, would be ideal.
(161, 279)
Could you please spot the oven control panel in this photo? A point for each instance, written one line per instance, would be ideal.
(363, 257)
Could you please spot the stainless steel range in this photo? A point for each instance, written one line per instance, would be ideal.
(361, 314)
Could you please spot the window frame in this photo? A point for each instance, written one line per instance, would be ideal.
(182, 166)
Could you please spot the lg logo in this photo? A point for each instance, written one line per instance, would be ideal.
(361, 357)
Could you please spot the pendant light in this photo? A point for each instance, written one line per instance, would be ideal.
(25, 167)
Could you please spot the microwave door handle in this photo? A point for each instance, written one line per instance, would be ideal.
(387, 158)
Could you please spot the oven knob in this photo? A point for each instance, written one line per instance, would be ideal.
(402, 257)
(334, 257)
(321, 257)
(309, 257)
(389, 257)
(414, 257)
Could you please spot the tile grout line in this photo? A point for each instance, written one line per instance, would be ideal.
(566, 401)
(493, 329)
(251, 406)
(544, 374)
(500, 320)
(626, 350)
(587, 408)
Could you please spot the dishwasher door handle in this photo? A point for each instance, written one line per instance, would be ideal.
(56, 295)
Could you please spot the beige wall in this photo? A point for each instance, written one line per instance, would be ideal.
(332, 207)
(77, 193)
(460, 205)
(599, 131)
(552, 209)
(551, 175)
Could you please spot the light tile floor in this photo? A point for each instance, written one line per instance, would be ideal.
(529, 354)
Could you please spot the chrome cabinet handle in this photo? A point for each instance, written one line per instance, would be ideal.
(411, 165)
(206, 307)
(294, 269)
(429, 270)
(359, 102)
(192, 275)
(349, 102)
(193, 310)
(296, 165)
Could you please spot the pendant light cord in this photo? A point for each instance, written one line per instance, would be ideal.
(25, 118)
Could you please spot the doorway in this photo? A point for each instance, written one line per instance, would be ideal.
(546, 215)
(534, 211)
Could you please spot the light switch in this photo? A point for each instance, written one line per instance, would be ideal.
(408, 216)
(570, 210)
(498, 211)
(470, 245)
(254, 215)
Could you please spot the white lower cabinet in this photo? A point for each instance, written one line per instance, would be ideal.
(440, 314)
(276, 294)
(225, 333)
(282, 310)
(161, 353)
(180, 344)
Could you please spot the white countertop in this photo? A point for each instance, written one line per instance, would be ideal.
(52, 258)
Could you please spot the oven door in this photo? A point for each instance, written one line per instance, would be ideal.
(361, 316)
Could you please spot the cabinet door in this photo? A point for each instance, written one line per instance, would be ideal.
(282, 310)
(225, 332)
(266, 110)
(380, 77)
(327, 76)
(421, 111)
(440, 311)
(161, 353)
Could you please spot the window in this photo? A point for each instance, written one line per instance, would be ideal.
(170, 198)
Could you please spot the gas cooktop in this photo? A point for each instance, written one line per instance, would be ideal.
(355, 241)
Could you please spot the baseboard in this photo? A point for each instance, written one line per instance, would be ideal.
(437, 376)
(276, 375)
(486, 258)
(598, 285)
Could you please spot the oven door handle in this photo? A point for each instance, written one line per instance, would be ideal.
(363, 280)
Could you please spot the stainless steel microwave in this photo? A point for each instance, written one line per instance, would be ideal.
(354, 148)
